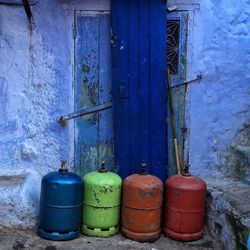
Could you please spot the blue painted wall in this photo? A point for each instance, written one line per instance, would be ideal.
(33, 92)
(218, 107)
(36, 85)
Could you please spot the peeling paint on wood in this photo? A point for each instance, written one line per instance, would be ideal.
(94, 132)
(179, 94)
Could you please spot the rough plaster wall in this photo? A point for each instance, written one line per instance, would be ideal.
(228, 214)
(34, 86)
(34, 82)
(220, 104)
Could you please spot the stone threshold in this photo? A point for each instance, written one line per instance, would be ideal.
(228, 212)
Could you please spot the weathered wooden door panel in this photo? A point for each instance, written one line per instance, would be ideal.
(93, 132)
(177, 53)
(139, 85)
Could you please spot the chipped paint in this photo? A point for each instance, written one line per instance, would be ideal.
(94, 137)
(219, 106)
(85, 68)
(142, 207)
(179, 94)
(101, 199)
(34, 86)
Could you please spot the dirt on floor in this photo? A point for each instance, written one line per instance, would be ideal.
(27, 239)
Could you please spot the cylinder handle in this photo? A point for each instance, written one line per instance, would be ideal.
(63, 166)
(103, 168)
(186, 170)
(143, 169)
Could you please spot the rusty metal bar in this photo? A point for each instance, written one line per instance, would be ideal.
(63, 119)
(27, 9)
(198, 77)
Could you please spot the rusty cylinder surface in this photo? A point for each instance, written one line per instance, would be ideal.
(142, 207)
(184, 207)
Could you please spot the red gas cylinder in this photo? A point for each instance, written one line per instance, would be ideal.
(142, 207)
(184, 207)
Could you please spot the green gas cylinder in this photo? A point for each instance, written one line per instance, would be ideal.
(101, 203)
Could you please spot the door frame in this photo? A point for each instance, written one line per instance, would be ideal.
(179, 92)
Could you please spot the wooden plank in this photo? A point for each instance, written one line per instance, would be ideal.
(179, 94)
(134, 86)
(105, 130)
(179, 111)
(120, 74)
(93, 132)
(86, 92)
(145, 86)
(158, 108)
(139, 66)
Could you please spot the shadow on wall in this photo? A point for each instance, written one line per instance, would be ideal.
(236, 160)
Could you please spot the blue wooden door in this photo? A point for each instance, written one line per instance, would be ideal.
(93, 132)
(139, 85)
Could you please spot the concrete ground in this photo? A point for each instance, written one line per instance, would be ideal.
(27, 239)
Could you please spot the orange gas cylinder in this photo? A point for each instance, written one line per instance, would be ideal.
(184, 207)
(142, 206)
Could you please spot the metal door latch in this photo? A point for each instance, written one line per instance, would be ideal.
(63, 119)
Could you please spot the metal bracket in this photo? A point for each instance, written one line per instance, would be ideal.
(27, 9)
(63, 119)
(198, 77)
(172, 8)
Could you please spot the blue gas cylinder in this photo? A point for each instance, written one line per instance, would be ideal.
(248, 242)
(60, 205)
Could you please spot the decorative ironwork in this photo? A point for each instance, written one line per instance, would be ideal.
(173, 39)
